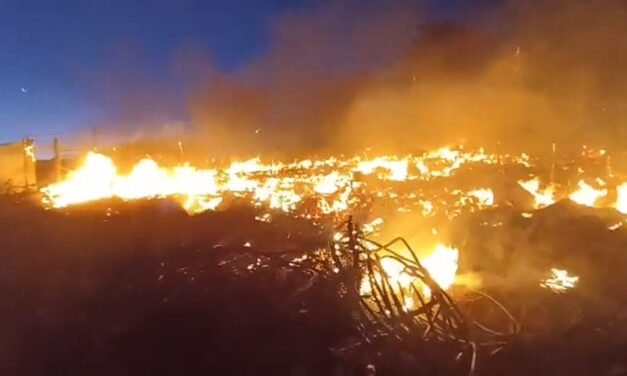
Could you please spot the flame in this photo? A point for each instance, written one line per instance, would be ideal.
(29, 150)
(484, 195)
(587, 195)
(331, 185)
(92, 181)
(442, 266)
(621, 198)
(199, 204)
(441, 263)
(543, 197)
(396, 168)
(560, 281)
(97, 179)
(372, 226)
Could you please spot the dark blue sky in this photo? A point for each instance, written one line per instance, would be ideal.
(56, 55)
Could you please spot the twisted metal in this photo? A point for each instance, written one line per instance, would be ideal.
(433, 319)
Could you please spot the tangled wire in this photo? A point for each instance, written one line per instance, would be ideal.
(434, 322)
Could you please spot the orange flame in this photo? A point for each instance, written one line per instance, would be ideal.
(587, 195)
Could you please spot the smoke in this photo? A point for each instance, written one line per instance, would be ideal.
(350, 76)
(542, 73)
(295, 96)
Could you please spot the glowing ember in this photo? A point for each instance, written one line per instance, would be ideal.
(543, 197)
(587, 195)
(560, 281)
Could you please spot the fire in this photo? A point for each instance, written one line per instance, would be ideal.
(621, 198)
(396, 168)
(442, 266)
(98, 178)
(29, 150)
(543, 197)
(309, 187)
(441, 263)
(587, 195)
(93, 181)
(331, 183)
(560, 281)
(484, 195)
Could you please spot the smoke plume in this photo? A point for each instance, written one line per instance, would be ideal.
(395, 77)
(387, 77)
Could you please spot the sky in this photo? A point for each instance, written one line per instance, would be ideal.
(62, 61)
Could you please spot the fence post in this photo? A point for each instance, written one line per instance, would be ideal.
(57, 160)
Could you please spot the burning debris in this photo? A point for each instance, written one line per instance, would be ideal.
(496, 243)
(587, 195)
(425, 183)
(543, 197)
(560, 281)
(403, 299)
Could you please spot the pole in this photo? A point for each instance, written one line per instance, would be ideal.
(57, 160)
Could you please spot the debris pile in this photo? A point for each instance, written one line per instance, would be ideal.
(419, 317)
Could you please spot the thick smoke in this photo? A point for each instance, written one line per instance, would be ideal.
(295, 96)
(540, 73)
(352, 76)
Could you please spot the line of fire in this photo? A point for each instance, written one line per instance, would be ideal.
(454, 260)
(307, 188)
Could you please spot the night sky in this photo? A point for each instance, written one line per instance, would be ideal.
(59, 60)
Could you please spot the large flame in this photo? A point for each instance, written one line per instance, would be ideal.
(333, 185)
(543, 196)
(441, 263)
(586, 194)
(282, 186)
(98, 178)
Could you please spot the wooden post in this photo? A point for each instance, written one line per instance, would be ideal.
(57, 160)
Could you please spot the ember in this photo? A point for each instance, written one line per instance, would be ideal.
(560, 281)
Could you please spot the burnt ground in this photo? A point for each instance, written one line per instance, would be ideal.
(141, 288)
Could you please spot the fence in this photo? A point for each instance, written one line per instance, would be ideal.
(18, 167)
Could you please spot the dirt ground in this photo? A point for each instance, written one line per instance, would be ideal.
(141, 288)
